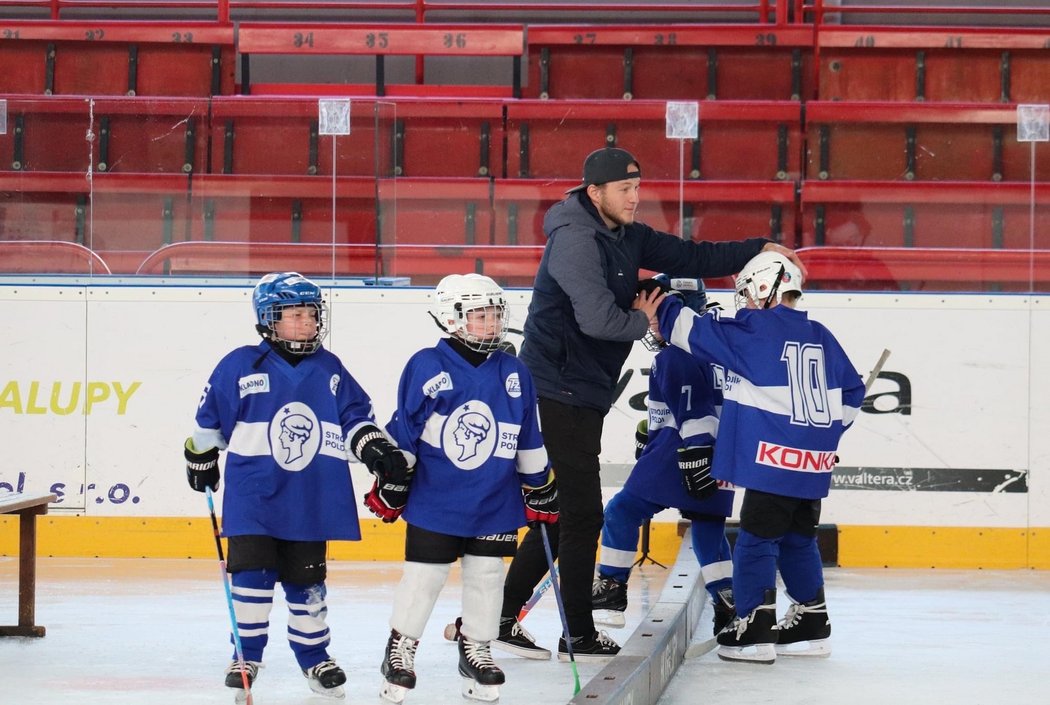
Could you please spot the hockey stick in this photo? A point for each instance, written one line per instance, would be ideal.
(701, 647)
(876, 370)
(229, 600)
(542, 588)
(561, 606)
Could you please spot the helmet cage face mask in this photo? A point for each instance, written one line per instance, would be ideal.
(459, 294)
(278, 292)
(764, 279)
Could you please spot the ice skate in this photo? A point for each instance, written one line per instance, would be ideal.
(752, 638)
(398, 667)
(515, 640)
(326, 679)
(609, 602)
(805, 629)
(481, 676)
(235, 680)
(724, 609)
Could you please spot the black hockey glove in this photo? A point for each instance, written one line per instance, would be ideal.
(382, 458)
(641, 437)
(387, 501)
(651, 285)
(695, 464)
(202, 469)
(541, 503)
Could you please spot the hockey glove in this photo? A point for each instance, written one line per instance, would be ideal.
(695, 465)
(541, 503)
(202, 469)
(641, 437)
(387, 500)
(382, 458)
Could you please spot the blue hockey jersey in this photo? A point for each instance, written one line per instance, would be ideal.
(790, 392)
(284, 430)
(685, 399)
(474, 432)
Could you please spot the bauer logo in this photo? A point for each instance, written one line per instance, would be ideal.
(441, 382)
(513, 385)
(254, 384)
(796, 459)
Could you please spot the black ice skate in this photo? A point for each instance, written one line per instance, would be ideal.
(609, 602)
(234, 679)
(481, 676)
(724, 609)
(326, 679)
(515, 640)
(805, 629)
(398, 667)
(752, 638)
(597, 647)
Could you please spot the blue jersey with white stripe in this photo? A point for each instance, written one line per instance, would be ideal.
(475, 435)
(685, 399)
(283, 428)
(790, 392)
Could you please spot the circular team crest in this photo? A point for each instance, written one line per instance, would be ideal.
(513, 385)
(295, 436)
(469, 435)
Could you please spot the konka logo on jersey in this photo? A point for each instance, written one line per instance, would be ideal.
(295, 436)
(795, 459)
(469, 435)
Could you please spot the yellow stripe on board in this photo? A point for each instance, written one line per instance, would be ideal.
(168, 537)
(859, 546)
(943, 547)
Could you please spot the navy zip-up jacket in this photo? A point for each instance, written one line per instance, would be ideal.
(580, 326)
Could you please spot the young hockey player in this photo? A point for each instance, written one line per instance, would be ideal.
(674, 450)
(287, 413)
(466, 414)
(790, 392)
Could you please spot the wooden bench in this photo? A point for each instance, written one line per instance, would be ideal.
(27, 507)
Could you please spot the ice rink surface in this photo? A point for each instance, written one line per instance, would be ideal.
(143, 631)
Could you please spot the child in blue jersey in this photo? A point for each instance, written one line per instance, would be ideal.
(466, 415)
(288, 414)
(790, 392)
(674, 450)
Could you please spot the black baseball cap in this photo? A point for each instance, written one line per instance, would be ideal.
(607, 164)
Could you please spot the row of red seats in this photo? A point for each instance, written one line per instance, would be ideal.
(581, 61)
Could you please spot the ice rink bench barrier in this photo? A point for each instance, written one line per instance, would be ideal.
(27, 507)
(651, 656)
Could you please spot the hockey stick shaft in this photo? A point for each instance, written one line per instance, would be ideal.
(561, 605)
(542, 588)
(874, 374)
(229, 599)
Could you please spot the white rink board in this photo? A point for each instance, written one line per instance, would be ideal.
(126, 364)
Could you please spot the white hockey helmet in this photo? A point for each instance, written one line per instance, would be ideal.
(458, 294)
(764, 278)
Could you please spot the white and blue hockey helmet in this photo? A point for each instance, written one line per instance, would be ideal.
(457, 295)
(279, 291)
(765, 278)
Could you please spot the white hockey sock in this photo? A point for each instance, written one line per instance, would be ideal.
(482, 596)
(416, 595)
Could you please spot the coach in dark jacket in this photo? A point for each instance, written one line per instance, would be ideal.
(582, 321)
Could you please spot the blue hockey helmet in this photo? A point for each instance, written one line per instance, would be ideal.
(694, 296)
(282, 290)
